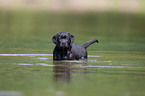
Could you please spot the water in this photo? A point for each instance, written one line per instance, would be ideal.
(38, 74)
(115, 66)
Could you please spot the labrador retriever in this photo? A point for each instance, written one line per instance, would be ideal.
(66, 50)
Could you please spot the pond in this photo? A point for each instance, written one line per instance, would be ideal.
(120, 74)
(115, 66)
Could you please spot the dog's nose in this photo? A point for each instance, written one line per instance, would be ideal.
(63, 42)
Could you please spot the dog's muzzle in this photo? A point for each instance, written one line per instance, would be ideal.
(64, 44)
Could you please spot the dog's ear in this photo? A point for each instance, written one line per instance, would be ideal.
(71, 37)
(54, 39)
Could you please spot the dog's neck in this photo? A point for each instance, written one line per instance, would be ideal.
(65, 53)
(64, 49)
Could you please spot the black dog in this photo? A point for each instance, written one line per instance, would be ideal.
(65, 50)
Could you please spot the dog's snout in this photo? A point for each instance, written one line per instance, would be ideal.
(63, 42)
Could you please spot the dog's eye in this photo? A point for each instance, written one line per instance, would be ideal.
(61, 37)
(64, 36)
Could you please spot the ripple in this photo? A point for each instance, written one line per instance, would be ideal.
(10, 93)
(26, 55)
(93, 56)
(112, 66)
(42, 58)
(43, 64)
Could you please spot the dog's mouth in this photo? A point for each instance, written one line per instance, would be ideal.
(63, 45)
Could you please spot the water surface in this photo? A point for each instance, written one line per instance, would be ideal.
(115, 67)
(38, 74)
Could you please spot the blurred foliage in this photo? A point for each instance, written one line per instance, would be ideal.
(31, 32)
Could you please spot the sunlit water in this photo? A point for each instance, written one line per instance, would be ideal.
(39, 75)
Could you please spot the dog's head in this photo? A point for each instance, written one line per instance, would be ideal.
(63, 39)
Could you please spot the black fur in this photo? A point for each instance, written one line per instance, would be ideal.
(65, 50)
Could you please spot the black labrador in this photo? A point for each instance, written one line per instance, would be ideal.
(65, 50)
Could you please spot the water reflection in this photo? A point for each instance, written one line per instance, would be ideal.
(63, 70)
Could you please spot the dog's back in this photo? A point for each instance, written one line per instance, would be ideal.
(79, 51)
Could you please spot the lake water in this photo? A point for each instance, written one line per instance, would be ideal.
(122, 74)
(115, 66)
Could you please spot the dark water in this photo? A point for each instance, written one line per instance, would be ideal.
(115, 67)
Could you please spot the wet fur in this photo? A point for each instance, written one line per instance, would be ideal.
(66, 50)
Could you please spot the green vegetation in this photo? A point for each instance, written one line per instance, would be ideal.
(31, 32)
